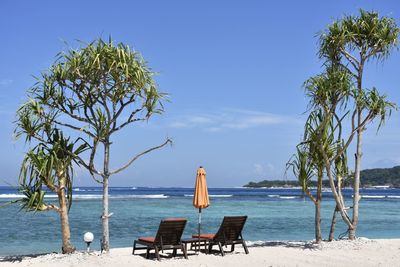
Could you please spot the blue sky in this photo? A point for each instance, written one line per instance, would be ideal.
(233, 70)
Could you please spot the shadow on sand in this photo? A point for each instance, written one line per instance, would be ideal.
(288, 244)
(19, 258)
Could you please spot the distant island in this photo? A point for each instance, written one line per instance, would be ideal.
(379, 177)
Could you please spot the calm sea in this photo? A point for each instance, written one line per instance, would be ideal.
(274, 214)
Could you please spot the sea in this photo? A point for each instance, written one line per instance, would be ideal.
(274, 214)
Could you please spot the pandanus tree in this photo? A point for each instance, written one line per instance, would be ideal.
(94, 92)
(48, 166)
(308, 163)
(351, 43)
(333, 92)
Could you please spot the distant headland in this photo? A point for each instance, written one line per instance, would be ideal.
(378, 178)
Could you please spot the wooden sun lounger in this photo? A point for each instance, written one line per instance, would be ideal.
(168, 237)
(229, 233)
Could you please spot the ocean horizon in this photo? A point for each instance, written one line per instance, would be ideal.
(273, 214)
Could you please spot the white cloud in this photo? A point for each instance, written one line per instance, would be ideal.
(258, 169)
(265, 170)
(230, 119)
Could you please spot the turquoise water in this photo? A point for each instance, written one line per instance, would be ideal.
(273, 214)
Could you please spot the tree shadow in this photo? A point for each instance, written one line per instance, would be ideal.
(19, 258)
(289, 244)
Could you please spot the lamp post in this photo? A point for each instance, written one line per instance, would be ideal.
(88, 238)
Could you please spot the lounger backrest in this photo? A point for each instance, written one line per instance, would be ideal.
(230, 229)
(170, 231)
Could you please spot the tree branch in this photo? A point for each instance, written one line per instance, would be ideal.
(81, 129)
(130, 120)
(310, 196)
(168, 141)
(52, 207)
(353, 61)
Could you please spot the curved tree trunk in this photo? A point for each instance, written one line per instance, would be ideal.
(338, 199)
(63, 212)
(333, 224)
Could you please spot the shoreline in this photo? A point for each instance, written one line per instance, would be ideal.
(361, 252)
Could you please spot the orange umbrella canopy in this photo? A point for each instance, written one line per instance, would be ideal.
(200, 197)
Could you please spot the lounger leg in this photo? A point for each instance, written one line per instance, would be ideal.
(245, 247)
(174, 252)
(147, 253)
(232, 247)
(157, 254)
(210, 248)
(134, 246)
(221, 249)
(184, 251)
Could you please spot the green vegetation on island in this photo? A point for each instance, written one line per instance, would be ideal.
(370, 178)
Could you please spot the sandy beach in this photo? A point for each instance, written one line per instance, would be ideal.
(363, 252)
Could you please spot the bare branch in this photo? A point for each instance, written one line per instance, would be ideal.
(353, 61)
(75, 128)
(168, 141)
(52, 207)
(353, 131)
(118, 113)
(128, 121)
(350, 138)
(91, 169)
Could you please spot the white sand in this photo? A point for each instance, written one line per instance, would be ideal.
(363, 252)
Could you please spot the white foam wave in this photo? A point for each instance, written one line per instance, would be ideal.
(119, 196)
(150, 196)
(393, 196)
(189, 195)
(21, 196)
(88, 196)
(11, 196)
(86, 190)
(273, 195)
(373, 196)
(78, 189)
(287, 197)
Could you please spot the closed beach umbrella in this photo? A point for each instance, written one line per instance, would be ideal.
(200, 197)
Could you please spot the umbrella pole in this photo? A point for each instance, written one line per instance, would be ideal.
(199, 229)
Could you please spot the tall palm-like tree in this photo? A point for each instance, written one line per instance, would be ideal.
(308, 162)
(48, 167)
(97, 91)
(351, 42)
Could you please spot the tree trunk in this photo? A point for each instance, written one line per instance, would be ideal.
(356, 198)
(333, 223)
(339, 201)
(318, 235)
(358, 155)
(63, 212)
(105, 244)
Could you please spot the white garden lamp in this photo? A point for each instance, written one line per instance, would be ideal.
(88, 238)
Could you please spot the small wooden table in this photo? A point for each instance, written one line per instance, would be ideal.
(196, 242)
